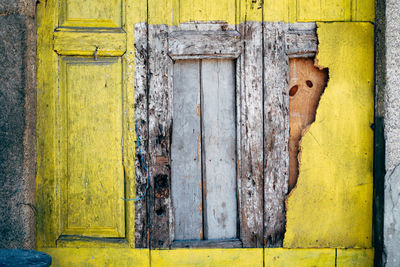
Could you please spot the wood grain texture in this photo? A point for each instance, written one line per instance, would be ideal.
(250, 101)
(160, 127)
(141, 91)
(219, 148)
(301, 41)
(204, 44)
(186, 176)
(276, 133)
(227, 243)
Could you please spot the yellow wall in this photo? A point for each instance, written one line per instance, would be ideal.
(331, 207)
(279, 257)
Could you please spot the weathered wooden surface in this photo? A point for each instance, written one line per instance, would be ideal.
(160, 123)
(276, 133)
(306, 84)
(250, 117)
(227, 243)
(204, 44)
(186, 176)
(141, 121)
(219, 148)
(301, 40)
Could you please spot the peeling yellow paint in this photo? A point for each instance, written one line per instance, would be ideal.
(233, 12)
(332, 206)
(332, 203)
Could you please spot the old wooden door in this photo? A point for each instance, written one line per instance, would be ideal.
(206, 83)
(85, 129)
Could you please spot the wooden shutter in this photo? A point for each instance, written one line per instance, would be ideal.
(85, 129)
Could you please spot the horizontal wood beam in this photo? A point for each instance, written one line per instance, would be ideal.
(90, 43)
(204, 44)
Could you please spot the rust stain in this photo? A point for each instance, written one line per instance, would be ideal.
(198, 146)
(198, 110)
(162, 160)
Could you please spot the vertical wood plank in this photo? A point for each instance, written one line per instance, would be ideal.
(141, 133)
(276, 132)
(219, 148)
(48, 173)
(160, 123)
(186, 180)
(250, 170)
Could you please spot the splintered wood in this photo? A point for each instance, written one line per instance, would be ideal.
(306, 83)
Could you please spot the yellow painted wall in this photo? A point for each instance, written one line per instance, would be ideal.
(233, 12)
(278, 257)
(331, 205)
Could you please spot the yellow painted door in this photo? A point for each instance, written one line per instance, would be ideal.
(86, 132)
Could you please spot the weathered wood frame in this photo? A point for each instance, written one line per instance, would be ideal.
(281, 42)
(262, 52)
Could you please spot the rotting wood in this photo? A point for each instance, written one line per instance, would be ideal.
(251, 136)
(160, 123)
(204, 44)
(141, 132)
(306, 84)
(229, 243)
(301, 40)
(276, 133)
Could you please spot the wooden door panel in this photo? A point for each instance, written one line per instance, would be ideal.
(92, 145)
(91, 13)
(219, 141)
(186, 179)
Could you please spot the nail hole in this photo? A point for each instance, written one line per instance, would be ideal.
(309, 83)
(293, 90)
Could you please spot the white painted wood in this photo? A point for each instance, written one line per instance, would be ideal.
(219, 149)
(186, 151)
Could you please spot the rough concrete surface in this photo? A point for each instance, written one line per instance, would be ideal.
(392, 218)
(21, 7)
(17, 131)
(392, 135)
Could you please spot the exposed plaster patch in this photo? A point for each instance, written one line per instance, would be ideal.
(331, 205)
(307, 84)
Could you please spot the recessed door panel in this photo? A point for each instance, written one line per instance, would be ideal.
(91, 148)
(91, 13)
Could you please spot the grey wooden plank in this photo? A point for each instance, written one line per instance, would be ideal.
(227, 243)
(186, 181)
(204, 44)
(160, 123)
(141, 118)
(219, 148)
(276, 132)
(250, 102)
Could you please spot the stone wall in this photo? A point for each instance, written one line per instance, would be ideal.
(392, 135)
(17, 123)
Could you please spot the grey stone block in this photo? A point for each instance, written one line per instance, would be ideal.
(12, 125)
